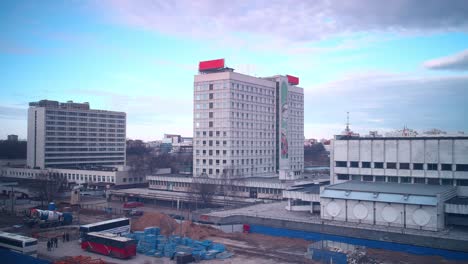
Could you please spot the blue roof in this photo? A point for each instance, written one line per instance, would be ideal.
(386, 187)
(419, 194)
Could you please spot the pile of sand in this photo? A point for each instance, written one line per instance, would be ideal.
(170, 227)
(194, 231)
(166, 223)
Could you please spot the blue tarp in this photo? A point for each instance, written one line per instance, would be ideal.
(282, 232)
(10, 257)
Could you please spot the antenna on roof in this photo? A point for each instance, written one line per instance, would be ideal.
(347, 122)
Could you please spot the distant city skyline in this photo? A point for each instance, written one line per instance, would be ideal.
(402, 64)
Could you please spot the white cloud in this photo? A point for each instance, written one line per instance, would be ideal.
(386, 101)
(288, 19)
(458, 61)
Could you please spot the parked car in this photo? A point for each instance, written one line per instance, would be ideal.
(133, 212)
(133, 204)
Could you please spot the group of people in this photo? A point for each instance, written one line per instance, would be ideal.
(53, 242)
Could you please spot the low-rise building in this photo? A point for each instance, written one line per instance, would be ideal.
(74, 176)
(416, 206)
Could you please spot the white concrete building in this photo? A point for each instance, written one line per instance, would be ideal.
(246, 126)
(415, 206)
(73, 176)
(434, 160)
(71, 135)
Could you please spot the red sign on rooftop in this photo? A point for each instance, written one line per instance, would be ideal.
(293, 80)
(211, 65)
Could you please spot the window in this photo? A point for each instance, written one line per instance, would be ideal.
(341, 163)
(420, 180)
(343, 177)
(367, 178)
(432, 166)
(378, 165)
(447, 182)
(462, 167)
(418, 166)
(391, 165)
(354, 164)
(462, 182)
(366, 164)
(404, 166)
(446, 167)
(210, 114)
(356, 177)
(392, 179)
(433, 181)
(210, 124)
(379, 178)
(405, 179)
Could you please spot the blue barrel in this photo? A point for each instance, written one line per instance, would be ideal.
(52, 206)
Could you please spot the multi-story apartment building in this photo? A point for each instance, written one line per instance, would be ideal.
(246, 126)
(434, 159)
(72, 135)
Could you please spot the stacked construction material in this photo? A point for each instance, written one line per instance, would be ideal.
(152, 243)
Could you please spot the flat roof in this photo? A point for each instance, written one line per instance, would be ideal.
(306, 188)
(110, 235)
(343, 137)
(396, 188)
(106, 222)
(17, 237)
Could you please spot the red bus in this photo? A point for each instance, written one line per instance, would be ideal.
(110, 245)
(133, 204)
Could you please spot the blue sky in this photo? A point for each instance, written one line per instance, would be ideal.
(405, 64)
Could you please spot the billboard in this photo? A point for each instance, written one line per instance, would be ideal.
(211, 65)
(284, 118)
(292, 80)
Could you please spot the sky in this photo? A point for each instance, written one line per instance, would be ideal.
(389, 63)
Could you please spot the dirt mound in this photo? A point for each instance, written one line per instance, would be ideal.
(169, 226)
(166, 223)
(195, 231)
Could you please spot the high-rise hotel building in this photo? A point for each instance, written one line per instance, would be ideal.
(72, 135)
(246, 126)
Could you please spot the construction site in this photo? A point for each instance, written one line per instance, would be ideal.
(160, 232)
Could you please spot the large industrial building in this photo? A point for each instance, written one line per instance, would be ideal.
(72, 135)
(246, 126)
(434, 160)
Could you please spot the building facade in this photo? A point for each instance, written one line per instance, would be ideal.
(246, 126)
(416, 206)
(72, 135)
(435, 160)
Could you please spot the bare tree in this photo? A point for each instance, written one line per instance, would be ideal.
(203, 190)
(49, 186)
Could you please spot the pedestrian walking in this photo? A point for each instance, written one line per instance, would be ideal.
(68, 237)
(56, 242)
(48, 245)
(63, 237)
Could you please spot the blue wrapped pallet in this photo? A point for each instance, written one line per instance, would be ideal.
(187, 241)
(207, 243)
(218, 247)
(150, 252)
(152, 230)
(138, 235)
